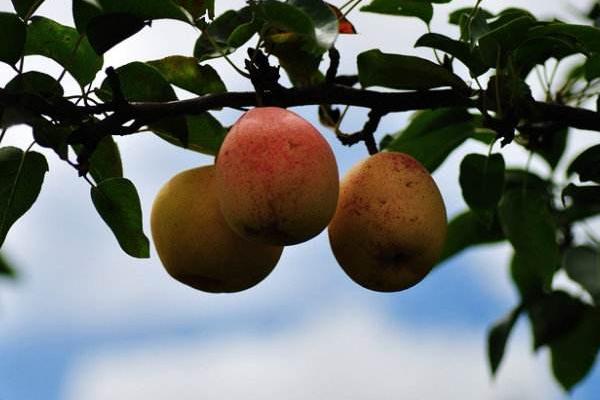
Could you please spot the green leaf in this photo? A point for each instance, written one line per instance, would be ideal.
(587, 36)
(518, 179)
(482, 181)
(188, 74)
(118, 203)
(528, 225)
(141, 82)
(549, 142)
(499, 42)
(537, 50)
(527, 277)
(461, 50)
(26, 8)
(147, 9)
(215, 39)
(466, 230)
(574, 354)
(587, 165)
(403, 72)
(13, 31)
(37, 83)
(105, 162)
(325, 22)
(498, 337)
(582, 264)
(21, 178)
(553, 315)
(198, 8)
(6, 270)
(107, 30)
(206, 134)
(433, 147)
(53, 137)
(65, 46)
(592, 67)
(409, 8)
(585, 202)
(455, 16)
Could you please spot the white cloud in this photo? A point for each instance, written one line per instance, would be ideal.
(345, 352)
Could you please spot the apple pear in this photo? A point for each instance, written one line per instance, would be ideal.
(277, 178)
(195, 244)
(390, 225)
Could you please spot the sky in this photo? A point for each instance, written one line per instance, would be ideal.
(85, 321)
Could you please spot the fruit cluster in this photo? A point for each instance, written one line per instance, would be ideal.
(275, 183)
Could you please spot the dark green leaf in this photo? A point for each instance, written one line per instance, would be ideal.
(108, 30)
(425, 121)
(549, 142)
(409, 8)
(188, 74)
(461, 50)
(118, 203)
(53, 137)
(527, 276)
(13, 32)
(65, 46)
(198, 8)
(553, 315)
(206, 134)
(592, 67)
(37, 83)
(498, 43)
(583, 266)
(105, 162)
(587, 165)
(455, 16)
(141, 82)
(588, 37)
(432, 147)
(482, 181)
(21, 178)
(403, 72)
(324, 21)
(498, 336)
(528, 225)
(574, 354)
(539, 49)
(26, 8)
(215, 39)
(517, 179)
(6, 270)
(467, 229)
(585, 202)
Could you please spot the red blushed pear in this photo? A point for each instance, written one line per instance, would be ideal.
(390, 225)
(277, 178)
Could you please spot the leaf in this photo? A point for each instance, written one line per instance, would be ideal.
(574, 354)
(461, 50)
(432, 148)
(498, 43)
(65, 46)
(118, 203)
(498, 337)
(107, 30)
(147, 9)
(587, 36)
(466, 230)
(206, 134)
(482, 181)
(582, 264)
(198, 8)
(53, 137)
(585, 202)
(325, 22)
(592, 67)
(13, 31)
(587, 165)
(141, 82)
(188, 74)
(409, 8)
(6, 270)
(549, 142)
(554, 315)
(455, 16)
(26, 8)
(528, 225)
(105, 162)
(21, 178)
(37, 83)
(403, 72)
(539, 49)
(223, 33)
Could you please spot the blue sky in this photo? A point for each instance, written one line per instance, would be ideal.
(85, 321)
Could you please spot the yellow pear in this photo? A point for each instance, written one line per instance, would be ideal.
(390, 224)
(195, 244)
